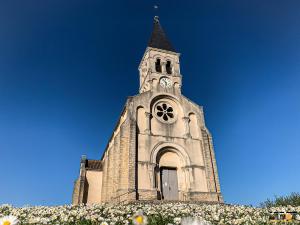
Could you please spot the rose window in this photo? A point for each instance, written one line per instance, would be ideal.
(164, 111)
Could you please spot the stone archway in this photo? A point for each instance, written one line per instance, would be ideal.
(171, 176)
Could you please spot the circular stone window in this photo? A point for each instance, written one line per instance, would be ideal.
(164, 111)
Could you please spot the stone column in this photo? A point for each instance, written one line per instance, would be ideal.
(152, 64)
(179, 89)
(153, 172)
(82, 180)
(82, 166)
(150, 81)
(187, 127)
(163, 67)
(148, 123)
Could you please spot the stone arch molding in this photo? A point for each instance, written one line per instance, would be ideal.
(179, 150)
(161, 96)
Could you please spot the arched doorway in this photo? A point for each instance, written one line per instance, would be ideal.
(171, 158)
(168, 173)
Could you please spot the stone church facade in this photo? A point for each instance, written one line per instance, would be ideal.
(160, 148)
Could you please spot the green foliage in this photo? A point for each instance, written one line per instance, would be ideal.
(159, 220)
(293, 199)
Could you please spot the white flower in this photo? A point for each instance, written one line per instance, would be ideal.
(193, 221)
(103, 223)
(177, 220)
(139, 218)
(9, 220)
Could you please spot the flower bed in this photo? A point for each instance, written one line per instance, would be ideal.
(159, 214)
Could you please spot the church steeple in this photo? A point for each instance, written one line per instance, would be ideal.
(159, 68)
(158, 38)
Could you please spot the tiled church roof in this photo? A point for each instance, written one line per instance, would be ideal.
(93, 164)
(158, 38)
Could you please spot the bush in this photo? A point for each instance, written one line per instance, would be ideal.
(293, 199)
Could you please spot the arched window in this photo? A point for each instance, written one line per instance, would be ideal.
(141, 119)
(169, 67)
(158, 66)
(193, 123)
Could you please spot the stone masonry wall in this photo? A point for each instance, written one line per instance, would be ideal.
(132, 163)
(210, 164)
(124, 159)
(75, 196)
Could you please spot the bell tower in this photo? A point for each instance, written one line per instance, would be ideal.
(159, 68)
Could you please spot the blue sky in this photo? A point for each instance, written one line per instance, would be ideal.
(66, 68)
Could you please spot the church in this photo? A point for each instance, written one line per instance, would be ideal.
(160, 148)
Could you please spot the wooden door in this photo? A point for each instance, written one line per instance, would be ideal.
(169, 184)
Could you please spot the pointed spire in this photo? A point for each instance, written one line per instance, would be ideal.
(158, 38)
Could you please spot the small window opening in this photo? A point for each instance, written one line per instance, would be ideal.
(168, 67)
(158, 66)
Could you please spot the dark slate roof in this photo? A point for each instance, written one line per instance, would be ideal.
(158, 38)
(93, 164)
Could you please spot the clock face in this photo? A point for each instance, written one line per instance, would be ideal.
(165, 82)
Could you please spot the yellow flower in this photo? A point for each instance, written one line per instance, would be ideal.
(9, 220)
(139, 219)
(288, 216)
